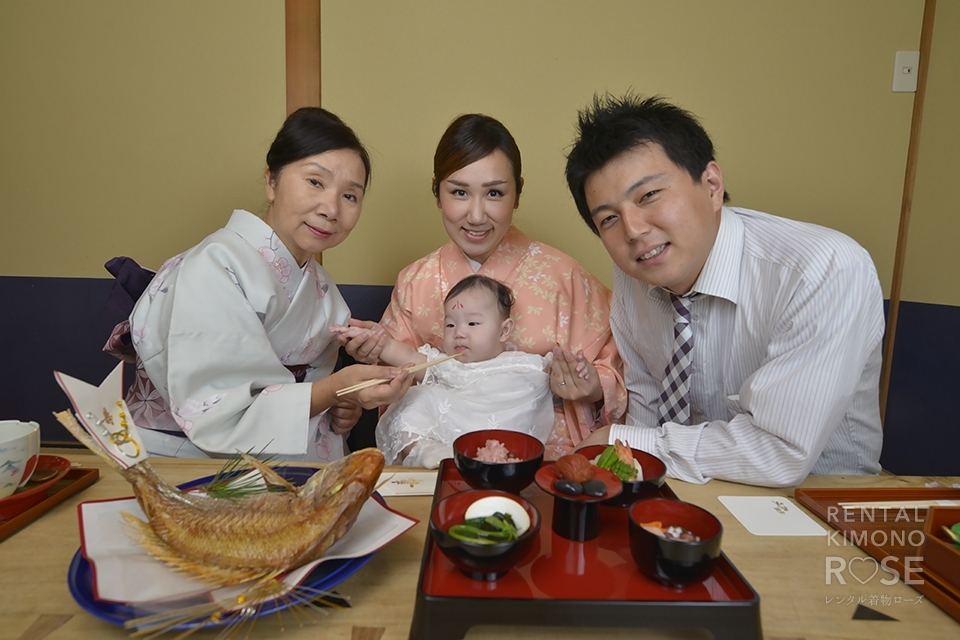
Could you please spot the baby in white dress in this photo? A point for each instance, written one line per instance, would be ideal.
(486, 387)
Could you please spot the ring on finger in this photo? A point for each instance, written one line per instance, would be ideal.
(562, 382)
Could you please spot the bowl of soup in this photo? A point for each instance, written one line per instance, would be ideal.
(673, 542)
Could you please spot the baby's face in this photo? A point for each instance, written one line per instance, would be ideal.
(473, 326)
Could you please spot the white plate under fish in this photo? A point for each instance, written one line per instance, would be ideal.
(114, 579)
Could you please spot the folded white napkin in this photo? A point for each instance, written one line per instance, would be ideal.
(771, 516)
(407, 483)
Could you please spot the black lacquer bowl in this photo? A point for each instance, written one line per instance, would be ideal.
(676, 563)
(654, 473)
(480, 561)
(507, 476)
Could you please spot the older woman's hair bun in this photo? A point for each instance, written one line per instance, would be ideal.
(309, 131)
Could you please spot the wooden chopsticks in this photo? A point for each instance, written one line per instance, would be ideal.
(376, 381)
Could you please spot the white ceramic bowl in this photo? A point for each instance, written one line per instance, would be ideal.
(19, 452)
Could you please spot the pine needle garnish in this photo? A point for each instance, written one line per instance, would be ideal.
(237, 479)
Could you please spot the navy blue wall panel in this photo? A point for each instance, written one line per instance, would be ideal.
(62, 323)
(367, 302)
(51, 324)
(922, 425)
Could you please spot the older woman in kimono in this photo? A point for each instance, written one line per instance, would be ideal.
(560, 307)
(233, 334)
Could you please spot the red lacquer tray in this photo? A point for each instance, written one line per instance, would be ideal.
(22, 508)
(891, 531)
(561, 582)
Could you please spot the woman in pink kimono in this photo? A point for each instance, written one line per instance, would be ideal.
(560, 307)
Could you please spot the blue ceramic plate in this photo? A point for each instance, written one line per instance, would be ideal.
(325, 577)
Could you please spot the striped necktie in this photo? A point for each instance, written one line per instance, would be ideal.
(675, 395)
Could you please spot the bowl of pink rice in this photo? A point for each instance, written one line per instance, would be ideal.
(498, 459)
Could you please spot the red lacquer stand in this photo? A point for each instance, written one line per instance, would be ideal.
(565, 583)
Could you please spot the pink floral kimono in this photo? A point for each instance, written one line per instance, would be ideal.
(558, 302)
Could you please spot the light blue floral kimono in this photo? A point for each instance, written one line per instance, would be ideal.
(231, 333)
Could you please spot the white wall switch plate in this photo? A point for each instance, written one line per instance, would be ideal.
(905, 69)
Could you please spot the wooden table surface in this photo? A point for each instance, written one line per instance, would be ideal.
(788, 572)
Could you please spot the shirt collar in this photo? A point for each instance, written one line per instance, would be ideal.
(720, 276)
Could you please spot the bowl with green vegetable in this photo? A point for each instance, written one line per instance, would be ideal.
(484, 532)
(642, 474)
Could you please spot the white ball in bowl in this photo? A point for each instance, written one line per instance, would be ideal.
(496, 504)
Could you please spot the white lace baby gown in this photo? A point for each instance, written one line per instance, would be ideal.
(511, 391)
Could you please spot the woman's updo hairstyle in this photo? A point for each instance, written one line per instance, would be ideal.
(469, 138)
(309, 131)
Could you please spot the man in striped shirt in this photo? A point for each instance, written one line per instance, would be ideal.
(786, 317)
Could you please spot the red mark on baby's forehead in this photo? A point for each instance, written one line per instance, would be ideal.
(457, 305)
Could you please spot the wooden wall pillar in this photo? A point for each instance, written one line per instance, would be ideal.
(303, 53)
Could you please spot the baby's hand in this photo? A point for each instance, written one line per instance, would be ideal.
(584, 366)
(573, 377)
(349, 333)
(362, 339)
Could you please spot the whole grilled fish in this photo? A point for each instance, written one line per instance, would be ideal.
(227, 541)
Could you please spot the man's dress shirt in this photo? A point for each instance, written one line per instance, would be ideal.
(788, 326)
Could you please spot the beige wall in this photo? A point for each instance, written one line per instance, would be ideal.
(932, 264)
(797, 96)
(134, 127)
(131, 127)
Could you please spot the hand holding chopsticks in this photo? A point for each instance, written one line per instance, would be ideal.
(374, 382)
